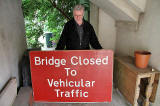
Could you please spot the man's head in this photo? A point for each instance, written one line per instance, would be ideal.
(78, 13)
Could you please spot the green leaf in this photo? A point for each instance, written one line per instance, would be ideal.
(40, 16)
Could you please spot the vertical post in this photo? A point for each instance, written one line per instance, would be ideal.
(149, 89)
(94, 16)
(137, 91)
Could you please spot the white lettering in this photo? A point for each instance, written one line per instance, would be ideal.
(89, 61)
(57, 92)
(49, 61)
(72, 60)
(37, 60)
(50, 83)
(72, 93)
(67, 69)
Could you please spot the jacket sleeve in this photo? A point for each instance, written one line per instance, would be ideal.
(62, 41)
(94, 40)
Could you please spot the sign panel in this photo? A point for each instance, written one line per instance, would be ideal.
(72, 76)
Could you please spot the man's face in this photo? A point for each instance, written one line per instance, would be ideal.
(78, 15)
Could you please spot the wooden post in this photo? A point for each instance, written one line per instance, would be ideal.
(137, 90)
(149, 89)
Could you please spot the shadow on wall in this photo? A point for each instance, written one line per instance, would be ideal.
(24, 69)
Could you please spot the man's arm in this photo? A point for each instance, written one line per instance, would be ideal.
(94, 40)
(62, 41)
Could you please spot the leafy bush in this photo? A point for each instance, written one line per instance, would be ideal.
(46, 16)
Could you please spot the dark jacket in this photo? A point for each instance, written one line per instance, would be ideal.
(71, 39)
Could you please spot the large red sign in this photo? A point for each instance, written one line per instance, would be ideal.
(72, 76)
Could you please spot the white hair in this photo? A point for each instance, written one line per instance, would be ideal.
(78, 7)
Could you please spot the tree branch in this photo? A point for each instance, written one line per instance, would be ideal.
(61, 11)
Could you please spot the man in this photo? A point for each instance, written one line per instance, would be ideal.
(78, 33)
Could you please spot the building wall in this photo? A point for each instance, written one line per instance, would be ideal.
(140, 3)
(12, 40)
(147, 37)
(106, 30)
(104, 26)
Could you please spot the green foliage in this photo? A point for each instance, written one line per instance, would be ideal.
(41, 16)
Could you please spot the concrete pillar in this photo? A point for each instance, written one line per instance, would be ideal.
(94, 16)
